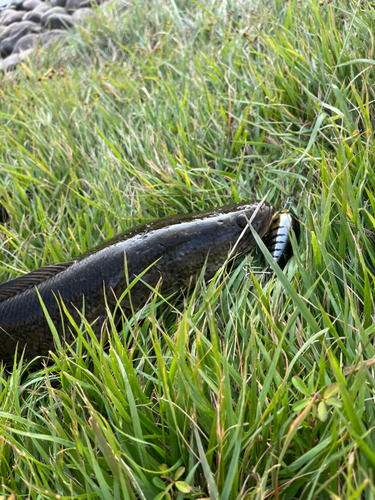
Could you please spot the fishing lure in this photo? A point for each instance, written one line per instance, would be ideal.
(278, 238)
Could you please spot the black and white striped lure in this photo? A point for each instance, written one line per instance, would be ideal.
(278, 238)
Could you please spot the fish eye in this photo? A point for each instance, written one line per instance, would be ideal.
(242, 220)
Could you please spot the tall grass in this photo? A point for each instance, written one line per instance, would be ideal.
(254, 386)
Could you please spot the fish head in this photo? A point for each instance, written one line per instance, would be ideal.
(236, 219)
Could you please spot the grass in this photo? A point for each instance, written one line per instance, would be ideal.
(254, 386)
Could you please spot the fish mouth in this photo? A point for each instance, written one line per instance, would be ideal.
(264, 218)
(261, 224)
(270, 214)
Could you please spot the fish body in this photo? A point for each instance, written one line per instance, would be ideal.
(176, 247)
(278, 238)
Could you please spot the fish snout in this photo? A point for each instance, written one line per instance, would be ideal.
(261, 218)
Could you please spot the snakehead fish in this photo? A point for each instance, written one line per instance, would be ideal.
(176, 247)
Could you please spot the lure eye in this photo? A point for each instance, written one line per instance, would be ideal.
(242, 220)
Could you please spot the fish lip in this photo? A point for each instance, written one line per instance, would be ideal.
(263, 225)
(260, 224)
(271, 214)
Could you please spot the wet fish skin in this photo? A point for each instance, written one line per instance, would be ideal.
(179, 243)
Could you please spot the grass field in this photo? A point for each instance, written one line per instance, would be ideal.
(257, 386)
